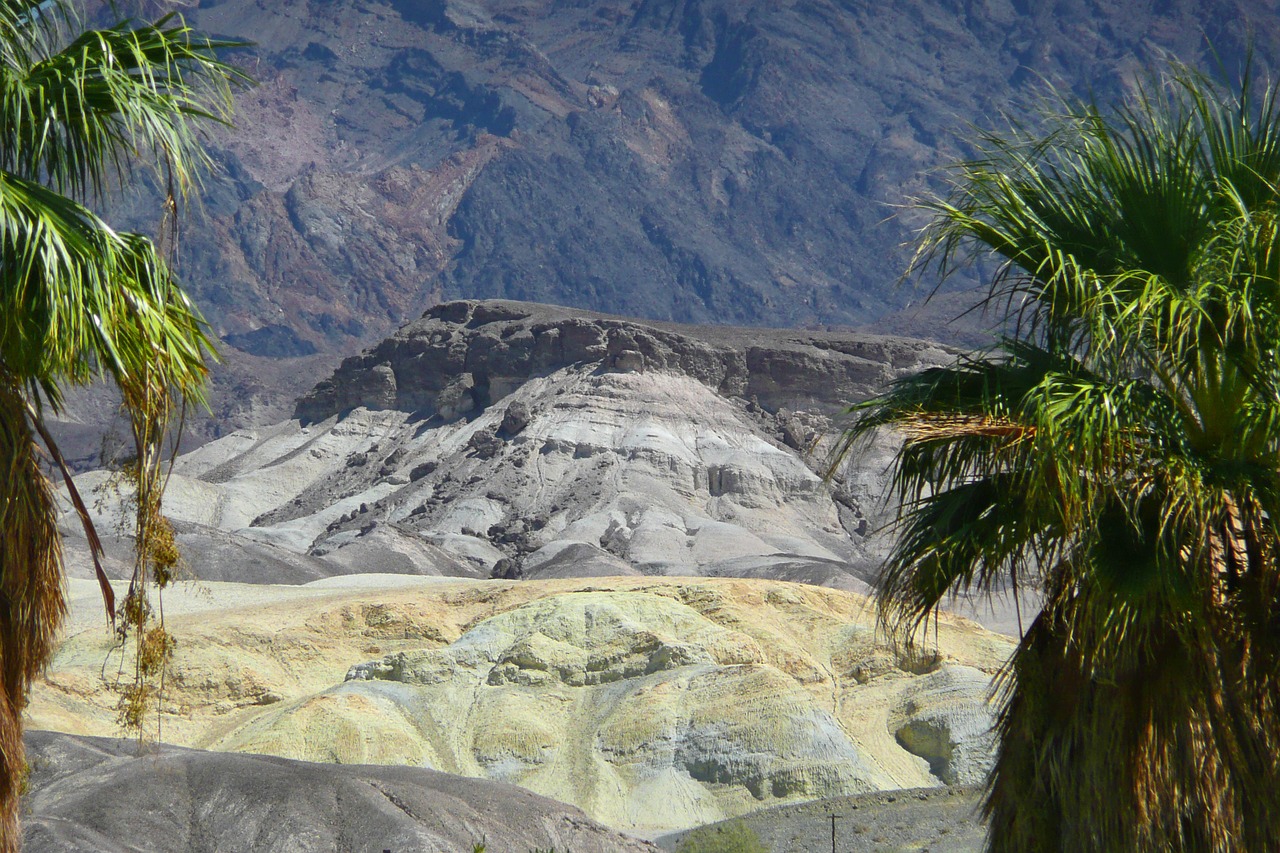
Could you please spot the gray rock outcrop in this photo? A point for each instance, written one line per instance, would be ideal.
(461, 356)
(946, 720)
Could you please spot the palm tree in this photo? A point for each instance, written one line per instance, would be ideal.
(78, 300)
(1118, 451)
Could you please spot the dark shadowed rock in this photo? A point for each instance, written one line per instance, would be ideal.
(462, 355)
(506, 569)
(515, 419)
(485, 444)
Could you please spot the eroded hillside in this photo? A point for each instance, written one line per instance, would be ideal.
(519, 440)
(588, 555)
(713, 697)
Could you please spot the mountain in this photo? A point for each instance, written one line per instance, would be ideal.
(515, 440)
(710, 161)
(589, 555)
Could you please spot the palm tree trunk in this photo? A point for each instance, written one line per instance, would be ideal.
(1167, 753)
(32, 598)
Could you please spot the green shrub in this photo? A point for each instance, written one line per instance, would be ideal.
(732, 837)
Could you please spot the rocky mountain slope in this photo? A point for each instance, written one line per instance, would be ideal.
(651, 704)
(691, 160)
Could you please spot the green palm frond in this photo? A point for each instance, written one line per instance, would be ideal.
(77, 297)
(30, 29)
(975, 536)
(79, 300)
(85, 112)
(1121, 452)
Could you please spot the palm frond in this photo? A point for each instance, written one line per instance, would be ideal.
(79, 300)
(78, 297)
(1122, 451)
(86, 112)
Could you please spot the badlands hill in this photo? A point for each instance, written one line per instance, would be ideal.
(586, 555)
(650, 704)
(98, 795)
(518, 440)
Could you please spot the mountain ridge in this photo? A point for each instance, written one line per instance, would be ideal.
(699, 161)
(690, 160)
(511, 341)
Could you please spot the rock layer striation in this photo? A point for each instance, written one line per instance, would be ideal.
(516, 440)
(711, 697)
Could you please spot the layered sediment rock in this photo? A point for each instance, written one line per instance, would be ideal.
(711, 697)
(654, 486)
(516, 440)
